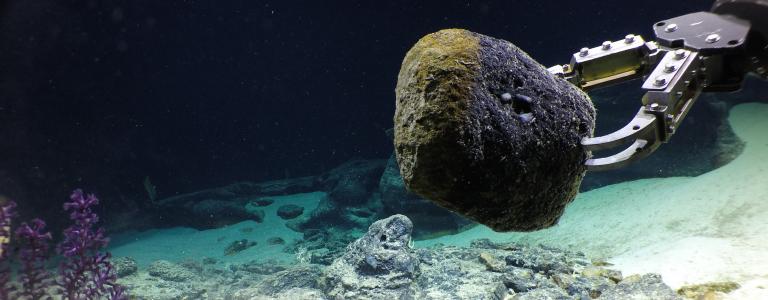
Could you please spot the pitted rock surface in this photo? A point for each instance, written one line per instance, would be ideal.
(484, 130)
(379, 265)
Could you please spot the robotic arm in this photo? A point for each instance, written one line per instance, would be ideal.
(693, 53)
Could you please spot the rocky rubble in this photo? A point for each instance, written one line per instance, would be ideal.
(382, 264)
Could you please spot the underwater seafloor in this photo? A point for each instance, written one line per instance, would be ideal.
(702, 237)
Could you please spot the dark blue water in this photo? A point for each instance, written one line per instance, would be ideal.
(141, 101)
(202, 93)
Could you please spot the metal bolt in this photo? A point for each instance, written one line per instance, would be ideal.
(680, 53)
(671, 28)
(629, 38)
(712, 38)
(669, 68)
(606, 45)
(654, 106)
(669, 117)
(660, 81)
(584, 52)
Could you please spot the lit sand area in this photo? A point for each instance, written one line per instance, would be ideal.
(710, 228)
(180, 243)
(692, 230)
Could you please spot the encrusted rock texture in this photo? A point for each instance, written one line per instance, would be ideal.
(382, 264)
(484, 130)
(379, 265)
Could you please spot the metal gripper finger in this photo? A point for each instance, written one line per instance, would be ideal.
(642, 132)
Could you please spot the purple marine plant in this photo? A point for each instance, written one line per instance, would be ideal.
(33, 253)
(85, 272)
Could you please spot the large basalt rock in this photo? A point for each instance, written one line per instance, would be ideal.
(484, 130)
(379, 265)
(351, 201)
(352, 182)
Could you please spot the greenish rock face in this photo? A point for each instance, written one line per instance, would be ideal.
(484, 130)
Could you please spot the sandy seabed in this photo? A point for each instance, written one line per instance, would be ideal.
(691, 230)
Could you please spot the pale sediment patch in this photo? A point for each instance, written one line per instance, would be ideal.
(692, 230)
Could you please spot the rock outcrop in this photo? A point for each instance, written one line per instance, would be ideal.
(350, 202)
(379, 265)
(229, 204)
(352, 182)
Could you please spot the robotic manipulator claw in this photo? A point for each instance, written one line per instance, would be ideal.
(693, 53)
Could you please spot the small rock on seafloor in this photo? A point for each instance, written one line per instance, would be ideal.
(484, 130)
(289, 211)
(124, 266)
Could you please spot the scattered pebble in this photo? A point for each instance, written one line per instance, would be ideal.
(275, 241)
(491, 262)
(289, 211)
(238, 246)
(210, 261)
(707, 290)
(263, 202)
(169, 271)
(193, 265)
(257, 216)
(124, 266)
